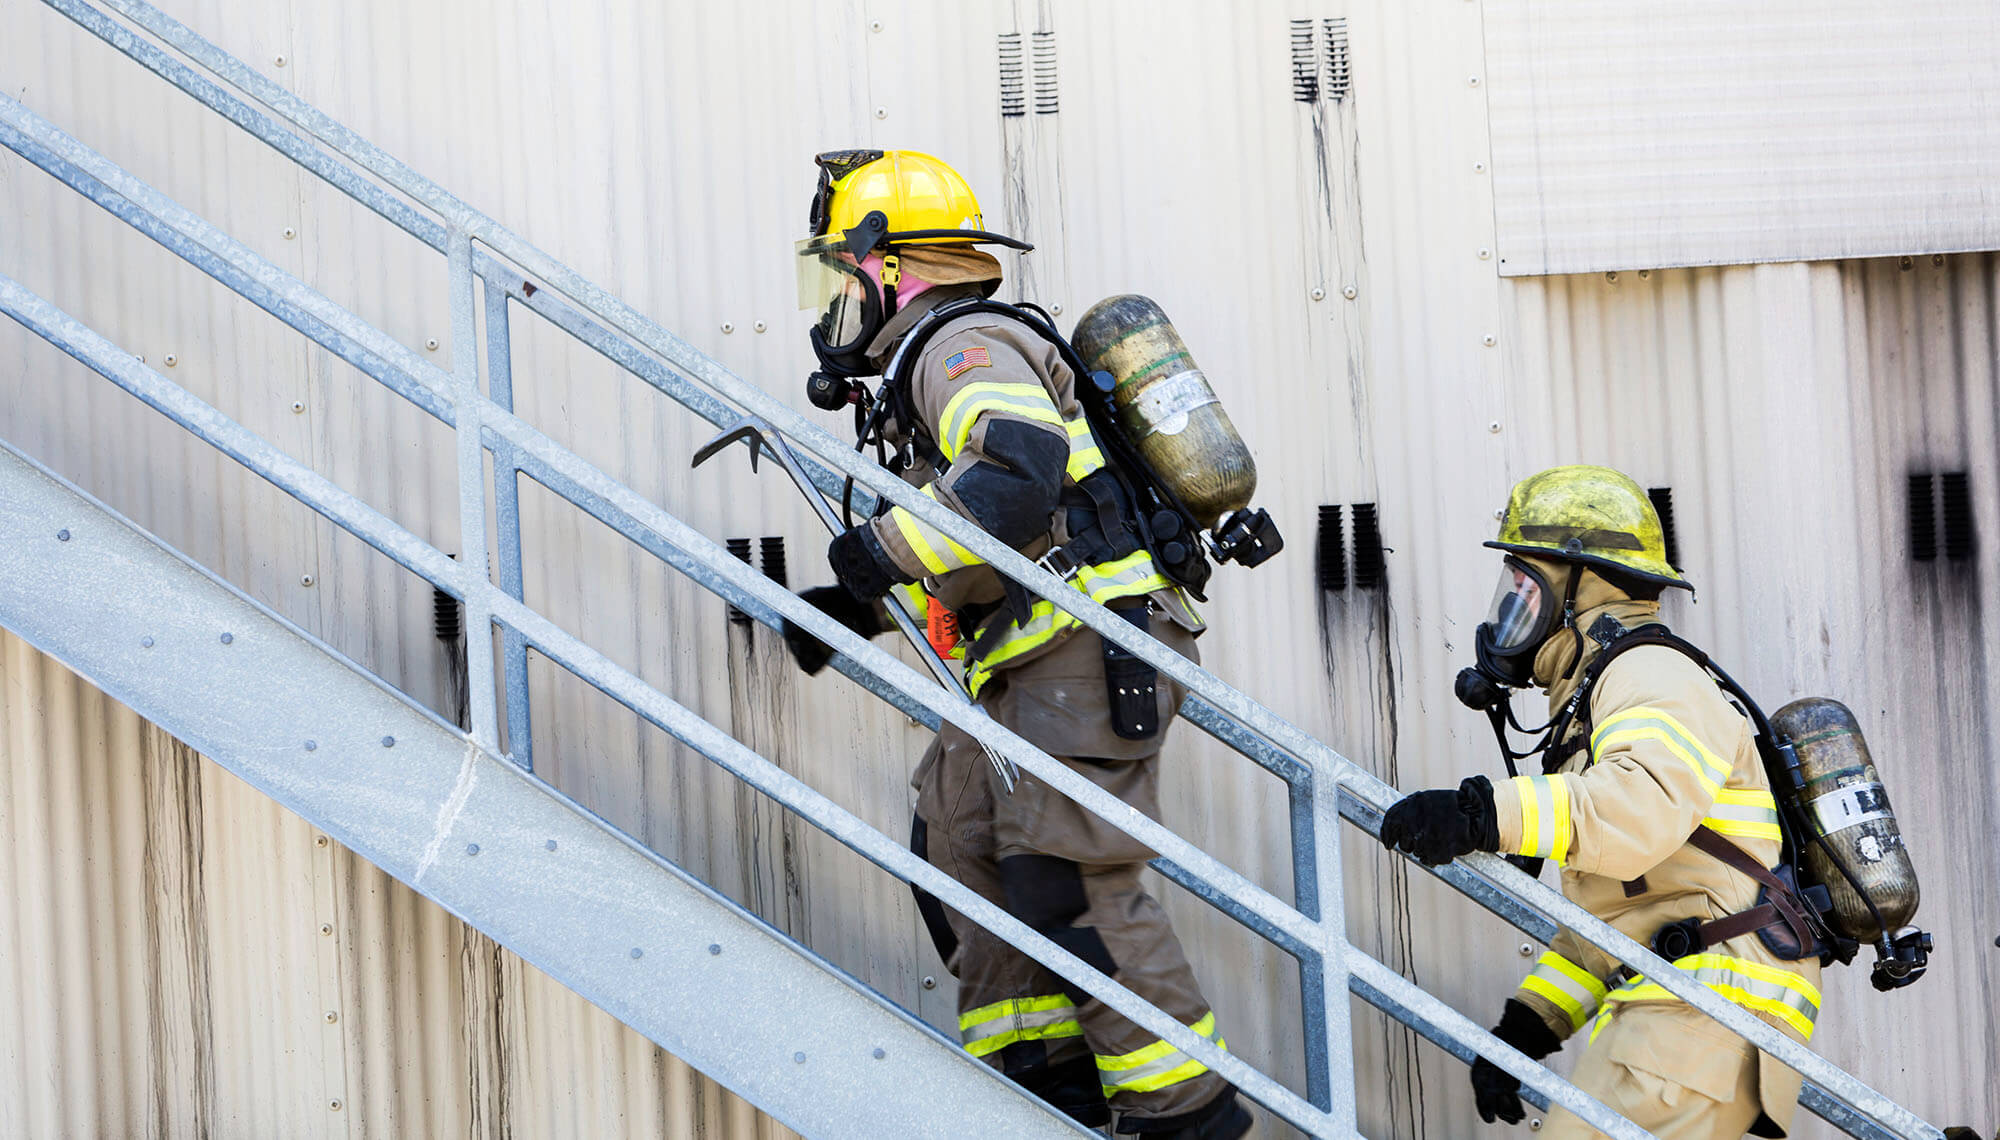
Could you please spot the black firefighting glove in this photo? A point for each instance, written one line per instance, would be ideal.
(1494, 1090)
(864, 618)
(862, 565)
(1440, 825)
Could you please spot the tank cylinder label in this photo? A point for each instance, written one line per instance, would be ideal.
(1849, 805)
(1163, 405)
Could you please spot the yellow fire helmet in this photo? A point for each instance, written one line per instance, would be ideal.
(1592, 515)
(921, 200)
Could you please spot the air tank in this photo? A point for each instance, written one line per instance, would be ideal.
(1166, 407)
(1842, 796)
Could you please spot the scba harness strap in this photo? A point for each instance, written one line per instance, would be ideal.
(1787, 919)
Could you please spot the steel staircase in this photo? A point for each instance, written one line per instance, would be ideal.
(460, 816)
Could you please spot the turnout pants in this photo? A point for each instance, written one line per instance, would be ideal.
(1669, 1069)
(1075, 879)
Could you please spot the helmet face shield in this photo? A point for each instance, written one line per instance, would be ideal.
(832, 285)
(1522, 609)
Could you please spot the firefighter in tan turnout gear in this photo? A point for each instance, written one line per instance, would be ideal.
(980, 413)
(1655, 766)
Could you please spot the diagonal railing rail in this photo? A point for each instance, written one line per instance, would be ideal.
(482, 255)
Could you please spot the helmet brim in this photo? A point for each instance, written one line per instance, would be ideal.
(1599, 561)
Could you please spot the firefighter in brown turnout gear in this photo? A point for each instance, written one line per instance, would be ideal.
(1651, 768)
(982, 415)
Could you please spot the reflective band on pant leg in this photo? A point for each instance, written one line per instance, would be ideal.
(991, 1028)
(1569, 986)
(1157, 1065)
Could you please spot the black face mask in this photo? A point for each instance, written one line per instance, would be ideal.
(878, 304)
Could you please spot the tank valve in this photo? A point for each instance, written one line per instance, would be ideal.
(1247, 538)
(1901, 960)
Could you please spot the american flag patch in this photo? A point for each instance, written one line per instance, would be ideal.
(963, 359)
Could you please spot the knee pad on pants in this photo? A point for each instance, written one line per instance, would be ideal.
(1047, 893)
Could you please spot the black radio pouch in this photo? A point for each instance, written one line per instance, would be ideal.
(1131, 686)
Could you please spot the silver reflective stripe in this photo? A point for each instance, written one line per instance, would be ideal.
(1016, 1021)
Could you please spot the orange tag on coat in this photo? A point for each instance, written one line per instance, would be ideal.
(940, 627)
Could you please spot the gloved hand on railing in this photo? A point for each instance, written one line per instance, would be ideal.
(1439, 825)
(864, 618)
(1496, 1092)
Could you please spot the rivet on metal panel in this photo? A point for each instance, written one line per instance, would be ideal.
(1318, 294)
(1056, 309)
(1500, 513)
(320, 841)
(1612, 277)
(333, 1106)
(1494, 427)
(290, 233)
(62, 535)
(1906, 263)
(881, 112)
(1937, 259)
(760, 326)
(551, 845)
(472, 849)
(1350, 292)
(1645, 273)
(880, 1052)
(312, 745)
(280, 61)
(930, 983)
(332, 1016)
(874, 25)
(798, 1058)
(171, 359)
(431, 343)
(729, 326)
(637, 953)
(1535, 1125)
(1479, 168)
(388, 742)
(1472, 81)
(326, 930)
(306, 580)
(298, 407)
(228, 639)
(715, 948)
(145, 643)
(1527, 950)
(1489, 340)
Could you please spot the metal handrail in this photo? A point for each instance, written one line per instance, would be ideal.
(1281, 747)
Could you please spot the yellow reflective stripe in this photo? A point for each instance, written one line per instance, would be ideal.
(1570, 987)
(1655, 724)
(1748, 812)
(1085, 456)
(1752, 985)
(1545, 819)
(991, 1028)
(925, 540)
(915, 598)
(1157, 1065)
(1029, 401)
(1127, 577)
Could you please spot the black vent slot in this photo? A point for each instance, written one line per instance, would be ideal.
(1663, 505)
(771, 551)
(1923, 519)
(1305, 63)
(1955, 495)
(1368, 564)
(1013, 82)
(1047, 98)
(1337, 75)
(1332, 548)
(740, 548)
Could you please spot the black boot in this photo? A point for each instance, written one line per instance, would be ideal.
(1220, 1119)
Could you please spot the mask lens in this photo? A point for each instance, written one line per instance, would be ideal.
(1518, 606)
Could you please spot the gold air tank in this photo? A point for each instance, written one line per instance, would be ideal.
(1843, 798)
(1166, 407)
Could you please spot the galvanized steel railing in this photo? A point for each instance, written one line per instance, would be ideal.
(481, 254)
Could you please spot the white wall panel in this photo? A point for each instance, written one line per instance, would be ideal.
(1711, 132)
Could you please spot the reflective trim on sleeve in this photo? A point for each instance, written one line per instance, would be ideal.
(1752, 985)
(1029, 401)
(1545, 822)
(1085, 457)
(1644, 723)
(1157, 1065)
(934, 548)
(1750, 813)
(991, 1028)
(1569, 986)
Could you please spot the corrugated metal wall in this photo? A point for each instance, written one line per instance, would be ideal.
(1303, 187)
(182, 958)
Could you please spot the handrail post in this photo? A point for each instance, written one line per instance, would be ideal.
(476, 571)
(507, 517)
(1336, 1058)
